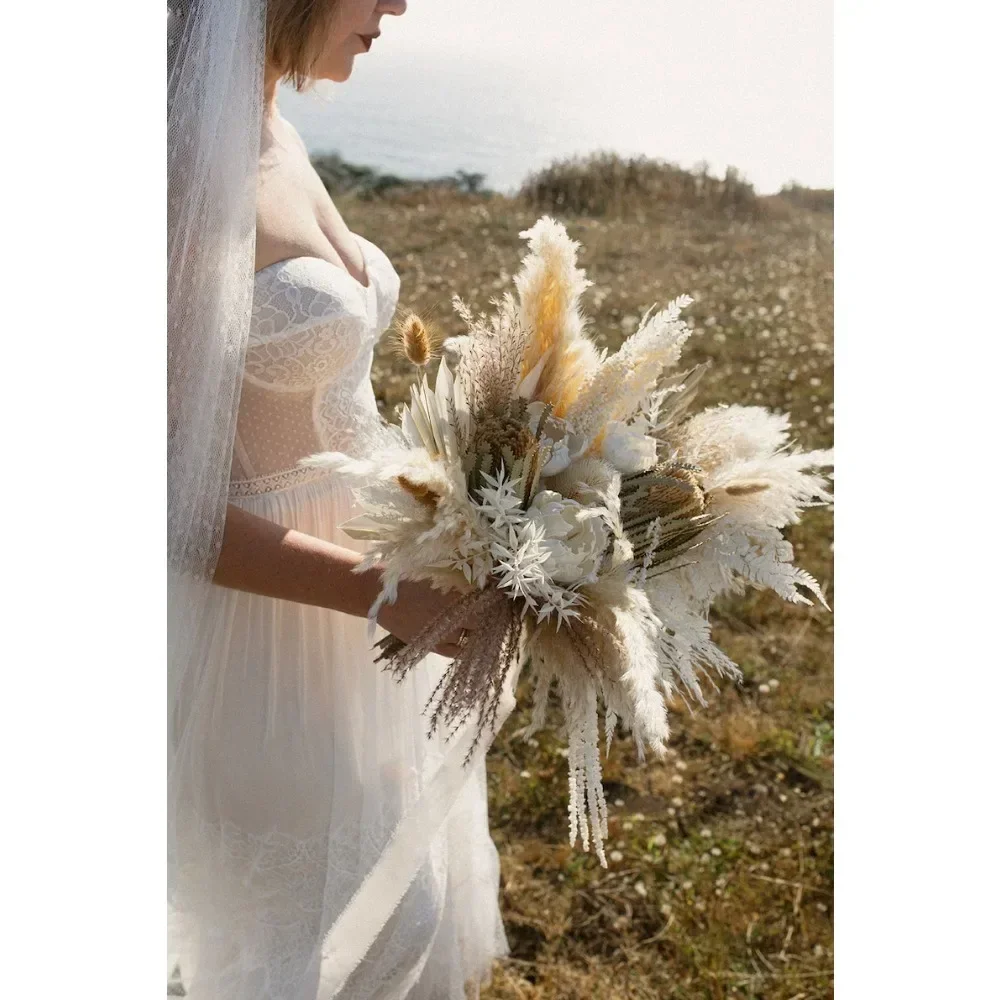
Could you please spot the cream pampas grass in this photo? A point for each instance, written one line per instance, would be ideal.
(557, 356)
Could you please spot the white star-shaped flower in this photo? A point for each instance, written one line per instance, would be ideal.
(500, 500)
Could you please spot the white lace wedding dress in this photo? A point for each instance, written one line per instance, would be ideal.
(296, 754)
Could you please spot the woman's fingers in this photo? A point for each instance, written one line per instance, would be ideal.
(452, 645)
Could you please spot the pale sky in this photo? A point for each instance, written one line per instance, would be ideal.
(742, 82)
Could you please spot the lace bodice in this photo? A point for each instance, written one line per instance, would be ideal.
(307, 380)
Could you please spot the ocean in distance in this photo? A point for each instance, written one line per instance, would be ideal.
(428, 118)
(420, 125)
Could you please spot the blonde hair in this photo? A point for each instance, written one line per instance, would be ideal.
(295, 33)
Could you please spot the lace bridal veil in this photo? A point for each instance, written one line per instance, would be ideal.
(215, 66)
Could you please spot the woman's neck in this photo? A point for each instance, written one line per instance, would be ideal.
(271, 82)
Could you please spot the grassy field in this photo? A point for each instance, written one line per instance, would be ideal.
(722, 881)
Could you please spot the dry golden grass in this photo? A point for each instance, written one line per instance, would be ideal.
(724, 886)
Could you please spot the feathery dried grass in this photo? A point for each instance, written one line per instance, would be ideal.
(549, 287)
(417, 341)
(490, 365)
(474, 683)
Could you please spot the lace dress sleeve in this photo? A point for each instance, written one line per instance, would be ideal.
(310, 323)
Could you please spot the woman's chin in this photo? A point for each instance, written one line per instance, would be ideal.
(338, 73)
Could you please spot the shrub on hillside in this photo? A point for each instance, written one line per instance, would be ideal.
(606, 184)
(813, 199)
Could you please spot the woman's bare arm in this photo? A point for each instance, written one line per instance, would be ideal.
(262, 557)
(265, 558)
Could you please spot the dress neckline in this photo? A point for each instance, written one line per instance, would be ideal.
(363, 245)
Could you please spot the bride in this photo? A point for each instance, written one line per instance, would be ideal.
(320, 843)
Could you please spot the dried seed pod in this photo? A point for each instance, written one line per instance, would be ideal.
(681, 496)
(501, 437)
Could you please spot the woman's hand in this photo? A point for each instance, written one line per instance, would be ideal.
(415, 607)
(261, 557)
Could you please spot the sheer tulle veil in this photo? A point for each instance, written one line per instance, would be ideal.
(215, 62)
(214, 109)
(215, 65)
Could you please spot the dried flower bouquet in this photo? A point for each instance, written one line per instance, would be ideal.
(585, 519)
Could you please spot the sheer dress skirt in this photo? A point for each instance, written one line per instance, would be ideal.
(293, 755)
